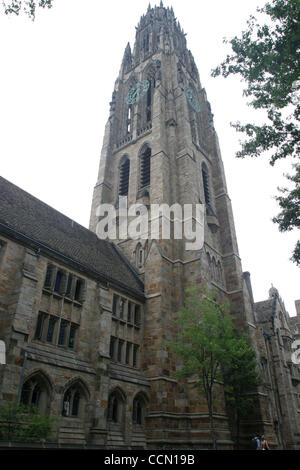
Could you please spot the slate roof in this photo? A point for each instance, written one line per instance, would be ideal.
(30, 220)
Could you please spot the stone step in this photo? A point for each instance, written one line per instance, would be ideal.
(71, 435)
(115, 439)
(138, 440)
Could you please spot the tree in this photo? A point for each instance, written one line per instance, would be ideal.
(289, 217)
(267, 58)
(204, 342)
(27, 6)
(241, 379)
(19, 422)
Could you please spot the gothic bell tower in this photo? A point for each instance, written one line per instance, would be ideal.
(160, 146)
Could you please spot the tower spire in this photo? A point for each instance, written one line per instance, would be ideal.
(127, 58)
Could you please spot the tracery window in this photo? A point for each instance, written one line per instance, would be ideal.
(115, 409)
(35, 393)
(74, 401)
(139, 409)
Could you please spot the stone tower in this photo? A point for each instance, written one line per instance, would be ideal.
(160, 146)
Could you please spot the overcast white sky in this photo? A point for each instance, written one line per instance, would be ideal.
(57, 77)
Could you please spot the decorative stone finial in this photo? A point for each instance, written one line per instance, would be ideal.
(273, 292)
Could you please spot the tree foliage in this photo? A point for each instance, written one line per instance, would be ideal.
(241, 379)
(267, 58)
(22, 423)
(26, 6)
(289, 216)
(207, 341)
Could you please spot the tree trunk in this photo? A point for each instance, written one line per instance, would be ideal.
(211, 420)
(238, 430)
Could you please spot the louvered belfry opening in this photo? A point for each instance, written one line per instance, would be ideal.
(124, 178)
(145, 167)
(205, 179)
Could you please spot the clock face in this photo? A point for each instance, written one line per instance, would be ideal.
(192, 98)
(137, 92)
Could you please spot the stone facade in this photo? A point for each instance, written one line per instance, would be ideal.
(85, 321)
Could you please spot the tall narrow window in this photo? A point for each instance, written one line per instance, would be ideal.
(112, 347)
(120, 350)
(122, 307)
(113, 409)
(149, 102)
(129, 313)
(58, 281)
(51, 328)
(48, 278)
(129, 119)
(39, 326)
(145, 167)
(72, 337)
(137, 411)
(124, 177)
(128, 353)
(75, 404)
(139, 256)
(137, 315)
(146, 42)
(115, 304)
(62, 333)
(36, 395)
(205, 179)
(69, 285)
(135, 355)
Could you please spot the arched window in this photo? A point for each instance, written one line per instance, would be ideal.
(205, 179)
(208, 260)
(36, 393)
(124, 177)
(139, 409)
(214, 269)
(139, 256)
(115, 408)
(146, 41)
(74, 401)
(145, 167)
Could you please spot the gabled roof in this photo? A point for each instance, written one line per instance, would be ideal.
(31, 221)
